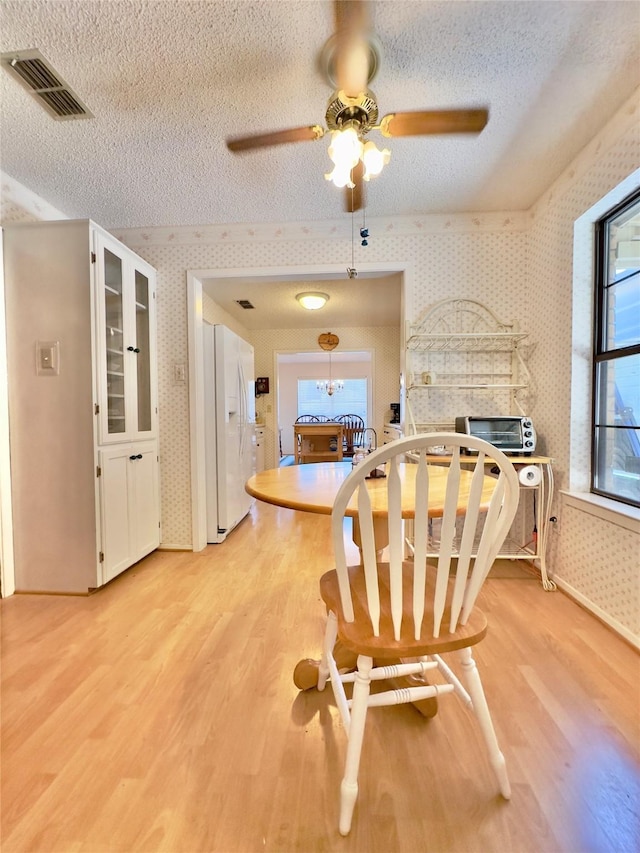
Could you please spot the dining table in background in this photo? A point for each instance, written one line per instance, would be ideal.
(313, 488)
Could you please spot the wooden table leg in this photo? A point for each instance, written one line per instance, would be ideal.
(380, 535)
(305, 674)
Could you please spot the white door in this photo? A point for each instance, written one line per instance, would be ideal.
(115, 515)
(130, 510)
(230, 405)
(248, 452)
(144, 500)
(229, 436)
(210, 466)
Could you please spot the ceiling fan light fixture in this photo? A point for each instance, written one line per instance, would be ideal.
(312, 300)
(374, 160)
(345, 150)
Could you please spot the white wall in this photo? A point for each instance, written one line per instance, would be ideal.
(17, 204)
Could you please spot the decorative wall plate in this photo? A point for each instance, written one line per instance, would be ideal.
(328, 341)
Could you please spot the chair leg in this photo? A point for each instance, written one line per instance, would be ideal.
(359, 705)
(471, 678)
(330, 636)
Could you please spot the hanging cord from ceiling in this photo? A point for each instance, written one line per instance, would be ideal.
(352, 272)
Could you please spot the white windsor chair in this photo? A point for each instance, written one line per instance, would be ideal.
(420, 608)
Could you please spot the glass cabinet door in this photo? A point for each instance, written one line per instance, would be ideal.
(125, 343)
(143, 354)
(114, 342)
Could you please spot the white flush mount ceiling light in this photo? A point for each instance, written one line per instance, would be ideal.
(312, 300)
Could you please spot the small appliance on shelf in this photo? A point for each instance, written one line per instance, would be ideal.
(510, 433)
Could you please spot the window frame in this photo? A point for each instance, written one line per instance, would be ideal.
(342, 408)
(601, 352)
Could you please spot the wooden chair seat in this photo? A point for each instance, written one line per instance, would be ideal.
(357, 635)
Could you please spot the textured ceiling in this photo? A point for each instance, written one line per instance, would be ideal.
(169, 81)
(371, 299)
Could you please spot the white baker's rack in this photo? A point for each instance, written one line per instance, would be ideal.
(462, 356)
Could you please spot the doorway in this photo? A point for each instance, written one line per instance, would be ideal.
(300, 373)
(297, 278)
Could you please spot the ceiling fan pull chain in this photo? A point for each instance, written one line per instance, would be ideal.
(352, 272)
(364, 231)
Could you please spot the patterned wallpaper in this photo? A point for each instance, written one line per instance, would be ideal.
(482, 261)
(519, 264)
(598, 562)
(19, 204)
(587, 553)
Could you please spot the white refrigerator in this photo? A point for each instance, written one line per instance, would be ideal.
(230, 452)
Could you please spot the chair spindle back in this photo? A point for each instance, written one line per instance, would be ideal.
(453, 550)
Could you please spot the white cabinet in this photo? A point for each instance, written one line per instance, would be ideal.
(130, 505)
(126, 342)
(462, 360)
(76, 301)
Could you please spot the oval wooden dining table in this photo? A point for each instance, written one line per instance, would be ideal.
(313, 488)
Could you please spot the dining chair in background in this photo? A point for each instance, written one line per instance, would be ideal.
(417, 610)
(353, 432)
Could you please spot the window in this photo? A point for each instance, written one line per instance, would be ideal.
(352, 400)
(615, 469)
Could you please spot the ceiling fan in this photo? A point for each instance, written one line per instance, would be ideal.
(349, 60)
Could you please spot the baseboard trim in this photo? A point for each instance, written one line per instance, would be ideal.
(600, 614)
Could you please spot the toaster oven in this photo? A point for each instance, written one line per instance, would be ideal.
(511, 434)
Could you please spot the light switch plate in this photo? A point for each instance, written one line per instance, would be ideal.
(179, 373)
(48, 358)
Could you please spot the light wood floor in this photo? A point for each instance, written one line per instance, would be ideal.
(159, 715)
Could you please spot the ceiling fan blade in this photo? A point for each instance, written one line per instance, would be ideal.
(278, 137)
(425, 122)
(352, 48)
(354, 196)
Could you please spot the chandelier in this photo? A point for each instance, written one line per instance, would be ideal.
(330, 386)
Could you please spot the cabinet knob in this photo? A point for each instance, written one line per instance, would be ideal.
(132, 458)
(130, 349)
(135, 456)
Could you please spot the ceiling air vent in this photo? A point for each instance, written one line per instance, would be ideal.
(33, 71)
(244, 303)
